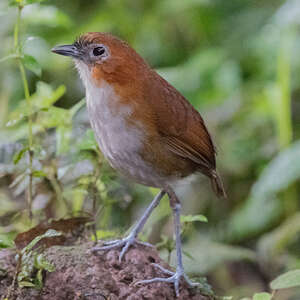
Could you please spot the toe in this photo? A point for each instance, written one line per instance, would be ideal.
(176, 287)
(111, 242)
(144, 244)
(190, 282)
(124, 250)
(156, 279)
(166, 271)
(109, 246)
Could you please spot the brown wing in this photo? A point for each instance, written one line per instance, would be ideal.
(181, 125)
(183, 129)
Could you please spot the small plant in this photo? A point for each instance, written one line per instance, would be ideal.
(166, 243)
(31, 262)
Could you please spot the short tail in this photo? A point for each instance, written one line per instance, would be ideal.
(217, 184)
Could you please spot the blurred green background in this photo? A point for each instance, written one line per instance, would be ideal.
(236, 61)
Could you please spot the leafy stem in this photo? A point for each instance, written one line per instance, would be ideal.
(28, 101)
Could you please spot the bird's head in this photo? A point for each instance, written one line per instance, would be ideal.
(101, 56)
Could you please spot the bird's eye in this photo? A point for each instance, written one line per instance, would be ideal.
(98, 51)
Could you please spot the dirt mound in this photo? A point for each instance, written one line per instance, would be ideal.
(81, 275)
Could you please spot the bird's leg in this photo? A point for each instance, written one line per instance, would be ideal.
(126, 242)
(179, 273)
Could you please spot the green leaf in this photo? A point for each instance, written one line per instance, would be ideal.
(262, 296)
(88, 142)
(31, 64)
(41, 263)
(104, 234)
(25, 284)
(206, 288)
(74, 109)
(193, 218)
(39, 279)
(64, 128)
(43, 98)
(19, 155)
(39, 174)
(54, 117)
(13, 2)
(33, 1)
(48, 233)
(5, 242)
(23, 2)
(286, 280)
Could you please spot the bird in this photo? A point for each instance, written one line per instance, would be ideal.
(145, 128)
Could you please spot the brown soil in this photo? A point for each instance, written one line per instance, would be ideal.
(80, 275)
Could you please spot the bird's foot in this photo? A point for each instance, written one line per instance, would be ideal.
(174, 278)
(124, 243)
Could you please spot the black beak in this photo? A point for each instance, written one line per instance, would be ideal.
(67, 50)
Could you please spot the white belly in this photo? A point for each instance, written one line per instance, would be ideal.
(119, 142)
(108, 120)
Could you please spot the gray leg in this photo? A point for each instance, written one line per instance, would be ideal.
(132, 237)
(175, 277)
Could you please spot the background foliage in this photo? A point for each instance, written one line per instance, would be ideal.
(236, 61)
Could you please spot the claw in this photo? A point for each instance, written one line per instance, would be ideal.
(174, 278)
(124, 243)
